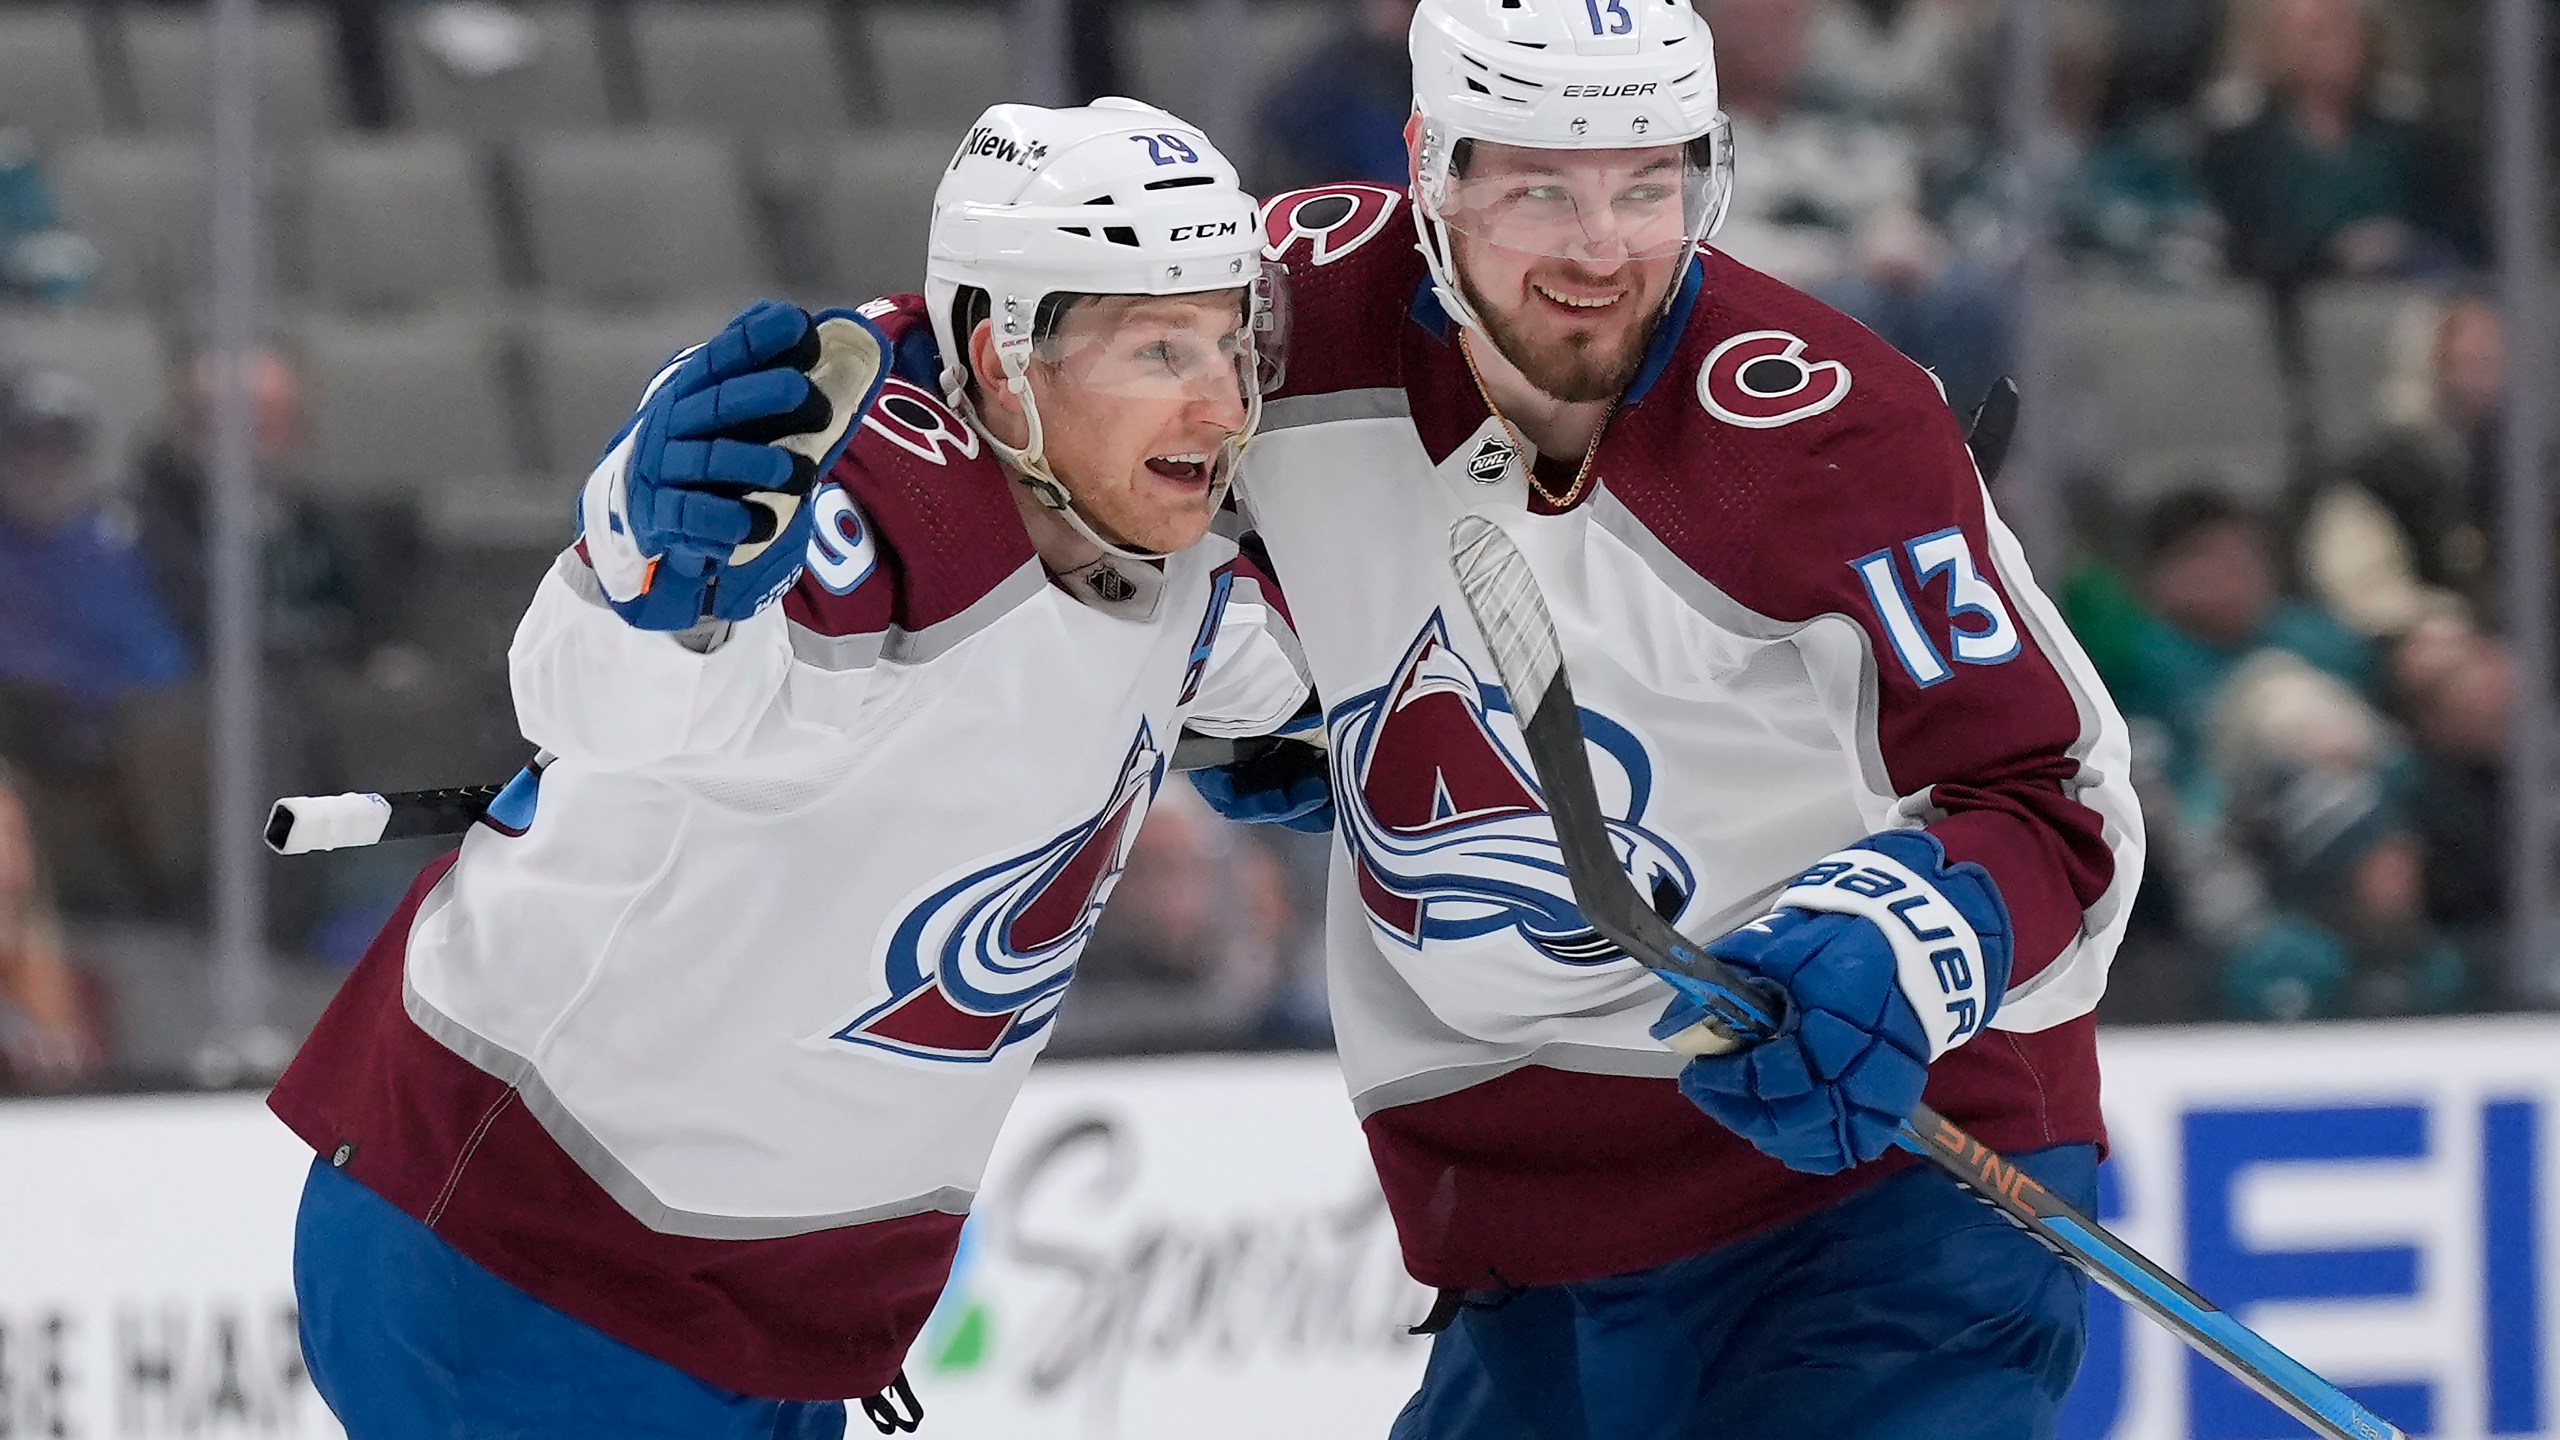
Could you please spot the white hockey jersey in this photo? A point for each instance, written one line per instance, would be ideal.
(710, 1054)
(1793, 620)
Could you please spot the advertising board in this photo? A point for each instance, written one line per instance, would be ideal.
(1182, 1247)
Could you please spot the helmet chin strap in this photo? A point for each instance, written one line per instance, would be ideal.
(1030, 462)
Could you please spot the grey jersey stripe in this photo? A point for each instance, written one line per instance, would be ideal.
(590, 1156)
(1569, 1056)
(1385, 402)
(834, 652)
(580, 578)
(915, 647)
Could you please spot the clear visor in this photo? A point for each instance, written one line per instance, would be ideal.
(1218, 349)
(1632, 204)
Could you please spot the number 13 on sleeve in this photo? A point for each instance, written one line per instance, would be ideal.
(1979, 629)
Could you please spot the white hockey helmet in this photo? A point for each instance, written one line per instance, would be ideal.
(1111, 198)
(1562, 75)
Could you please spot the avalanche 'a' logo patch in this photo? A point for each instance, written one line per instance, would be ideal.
(1329, 222)
(1761, 381)
(1449, 836)
(982, 961)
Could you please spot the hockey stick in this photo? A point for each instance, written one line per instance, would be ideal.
(301, 824)
(1503, 592)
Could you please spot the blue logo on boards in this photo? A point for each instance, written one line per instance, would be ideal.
(1447, 829)
(983, 961)
(2489, 1262)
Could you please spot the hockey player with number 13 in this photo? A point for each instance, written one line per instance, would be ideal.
(657, 1110)
(1839, 735)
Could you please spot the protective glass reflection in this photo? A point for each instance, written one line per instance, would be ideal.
(1633, 204)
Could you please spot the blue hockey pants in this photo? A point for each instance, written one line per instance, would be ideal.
(1910, 1311)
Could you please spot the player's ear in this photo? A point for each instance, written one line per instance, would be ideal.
(996, 402)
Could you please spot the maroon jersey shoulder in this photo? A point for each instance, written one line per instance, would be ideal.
(1786, 441)
(922, 523)
(1353, 273)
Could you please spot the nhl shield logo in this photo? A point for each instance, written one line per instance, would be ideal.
(1492, 460)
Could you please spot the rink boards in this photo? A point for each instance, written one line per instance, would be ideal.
(1183, 1247)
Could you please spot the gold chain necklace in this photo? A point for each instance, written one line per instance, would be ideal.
(1529, 471)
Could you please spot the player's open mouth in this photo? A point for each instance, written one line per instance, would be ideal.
(1580, 302)
(1184, 469)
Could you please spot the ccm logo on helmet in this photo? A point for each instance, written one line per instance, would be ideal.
(1608, 92)
(1761, 381)
(1207, 232)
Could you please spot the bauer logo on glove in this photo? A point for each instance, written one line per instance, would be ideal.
(1889, 957)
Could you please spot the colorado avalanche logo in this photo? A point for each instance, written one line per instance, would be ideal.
(912, 419)
(1333, 221)
(1447, 831)
(983, 961)
(1761, 381)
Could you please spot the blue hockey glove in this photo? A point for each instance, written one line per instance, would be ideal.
(699, 510)
(1286, 783)
(1890, 957)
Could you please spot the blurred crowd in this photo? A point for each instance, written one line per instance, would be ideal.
(2312, 659)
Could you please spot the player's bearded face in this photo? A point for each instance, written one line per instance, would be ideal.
(1137, 396)
(1568, 255)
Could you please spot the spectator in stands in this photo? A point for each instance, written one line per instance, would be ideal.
(337, 573)
(1833, 203)
(1093, 50)
(2319, 795)
(2316, 174)
(48, 1037)
(2407, 531)
(39, 258)
(1205, 942)
(2457, 690)
(2290, 841)
(1340, 113)
(364, 51)
(2164, 49)
(2210, 580)
(1910, 62)
(2130, 200)
(92, 670)
(337, 577)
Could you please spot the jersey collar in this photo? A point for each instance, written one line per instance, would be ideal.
(1428, 313)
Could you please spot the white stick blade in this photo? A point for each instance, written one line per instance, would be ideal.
(1503, 592)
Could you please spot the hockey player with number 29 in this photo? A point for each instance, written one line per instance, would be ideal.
(1839, 736)
(656, 1111)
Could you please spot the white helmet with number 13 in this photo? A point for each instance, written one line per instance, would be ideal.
(1562, 75)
